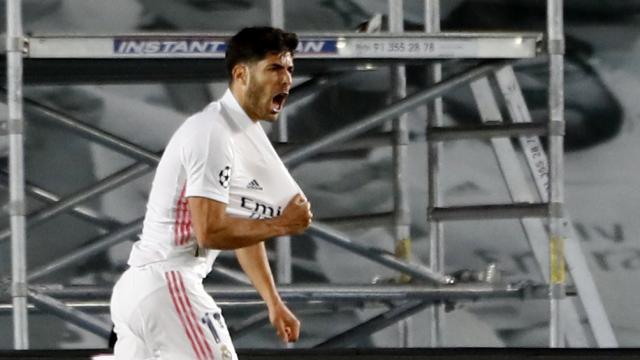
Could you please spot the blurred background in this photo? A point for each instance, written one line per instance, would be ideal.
(602, 175)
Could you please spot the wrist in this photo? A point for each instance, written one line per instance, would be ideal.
(274, 302)
(279, 227)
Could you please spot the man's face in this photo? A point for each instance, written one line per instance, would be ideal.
(268, 86)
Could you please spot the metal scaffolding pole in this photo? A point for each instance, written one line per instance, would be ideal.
(494, 211)
(389, 260)
(283, 243)
(557, 224)
(395, 314)
(74, 316)
(491, 131)
(337, 293)
(401, 211)
(436, 228)
(15, 126)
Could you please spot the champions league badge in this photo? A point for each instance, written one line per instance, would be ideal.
(224, 176)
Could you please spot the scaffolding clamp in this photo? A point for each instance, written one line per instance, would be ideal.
(16, 44)
(556, 47)
(403, 252)
(555, 210)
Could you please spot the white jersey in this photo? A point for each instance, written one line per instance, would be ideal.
(220, 154)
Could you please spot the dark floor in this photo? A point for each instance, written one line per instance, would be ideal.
(374, 354)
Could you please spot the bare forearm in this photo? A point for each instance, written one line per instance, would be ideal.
(253, 260)
(240, 233)
(215, 229)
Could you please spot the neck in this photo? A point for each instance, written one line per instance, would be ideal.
(241, 98)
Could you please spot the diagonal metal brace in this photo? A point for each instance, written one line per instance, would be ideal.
(384, 258)
(74, 316)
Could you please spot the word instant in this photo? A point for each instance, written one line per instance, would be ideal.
(167, 46)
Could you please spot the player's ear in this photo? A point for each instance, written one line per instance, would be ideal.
(240, 73)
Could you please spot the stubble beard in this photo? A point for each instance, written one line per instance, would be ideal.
(259, 110)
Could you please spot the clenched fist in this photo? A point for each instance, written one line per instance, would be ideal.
(296, 216)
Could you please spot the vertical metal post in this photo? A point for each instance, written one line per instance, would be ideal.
(283, 266)
(277, 20)
(283, 243)
(277, 13)
(402, 218)
(15, 125)
(555, 38)
(436, 228)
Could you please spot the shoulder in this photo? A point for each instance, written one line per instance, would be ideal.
(209, 121)
(206, 132)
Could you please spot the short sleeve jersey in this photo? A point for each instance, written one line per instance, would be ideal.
(220, 154)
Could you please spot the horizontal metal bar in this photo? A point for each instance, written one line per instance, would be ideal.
(102, 306)
(72, 315)
(482, 212)
(417, 45)
(295, 157)
(384, 258)
(333, 292)
(487, 131)
(373, 325)
(310, 34)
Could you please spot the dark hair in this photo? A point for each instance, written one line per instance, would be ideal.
(255, 43)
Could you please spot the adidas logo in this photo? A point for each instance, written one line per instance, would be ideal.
(253, 185)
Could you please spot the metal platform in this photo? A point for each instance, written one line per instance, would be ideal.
(130, 58)
(312, 46)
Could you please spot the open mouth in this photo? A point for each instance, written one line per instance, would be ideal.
(277, 102)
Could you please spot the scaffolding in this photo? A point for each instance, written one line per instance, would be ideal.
(316, 53)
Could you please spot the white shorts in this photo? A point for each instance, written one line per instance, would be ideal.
(161, 312)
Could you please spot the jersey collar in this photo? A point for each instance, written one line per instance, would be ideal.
(237, 113)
